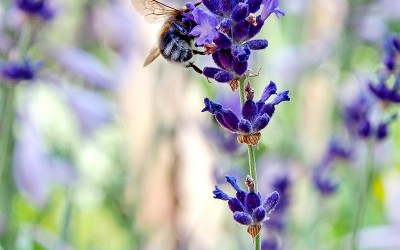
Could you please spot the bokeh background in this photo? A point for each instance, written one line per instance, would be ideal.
(110, 155)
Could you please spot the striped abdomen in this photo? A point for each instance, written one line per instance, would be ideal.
(175, 46)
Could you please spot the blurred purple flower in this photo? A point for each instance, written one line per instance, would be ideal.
(358, 121)
(271, 243)
(86, 66)
(35, 171)
(19, 71)
(39, 8)
(114, 24)
(91, 109)
(336, 151)
(385, 93)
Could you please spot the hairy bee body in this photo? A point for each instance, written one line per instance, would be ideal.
(174, 43)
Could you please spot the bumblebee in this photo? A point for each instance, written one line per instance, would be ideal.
(174, 42)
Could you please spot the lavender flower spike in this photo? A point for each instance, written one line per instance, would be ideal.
(248, 208)
(226, 31)
(255, 116)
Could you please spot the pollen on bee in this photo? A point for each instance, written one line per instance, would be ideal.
(251, 139)
(254, 230)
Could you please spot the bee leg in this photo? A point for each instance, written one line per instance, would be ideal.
(196, 52)
(197, 4)
(197, 69)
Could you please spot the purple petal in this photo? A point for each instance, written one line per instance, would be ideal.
(261, 123)
(271, 201)
(259, 214)
(190, 6)
(241, 30)
(270, 6)
(252, 201)
(244, 126)
(230, 119)
(225, 58)
(257, 44)
(213, 6)
(210, 72)
(268, 91)
(242, 218)
(249, 110)
(241, 53)
(206, 28)
(268, 109)
(222, 41)
(254, 5)
(240, 67)
(219, 194)
(227, 6)
(221, 121)
(226, 23)
(283, 96)
(224, 76)
(211, 106)
(240, 12)
(235, 205)
(382, 131)
(232, 180)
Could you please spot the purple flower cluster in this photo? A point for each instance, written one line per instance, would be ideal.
(36, 8)
(358, 114)
(382, 90)
(247, 207)
(336, 152)
(363, 117)
(18, 71)
(358, 120)
(255, 116)
(227, 30)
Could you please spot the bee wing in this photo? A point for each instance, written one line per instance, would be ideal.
(154, 11)
(154, 53)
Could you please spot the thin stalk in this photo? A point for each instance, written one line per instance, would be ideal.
(7, 140)
(252, 159)
(66, 221)
(6, 153)
(365, 186)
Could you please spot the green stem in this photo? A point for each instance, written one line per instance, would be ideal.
(252, 159)
(6, 154)
(66, 221)
(365, 186)
(7, 188)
